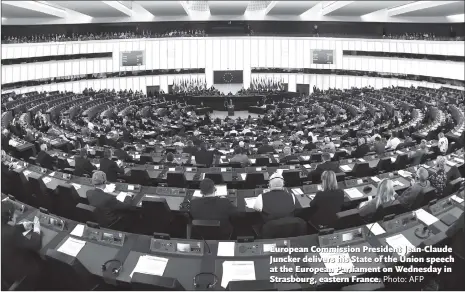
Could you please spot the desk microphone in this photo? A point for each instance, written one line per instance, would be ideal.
(422, 232)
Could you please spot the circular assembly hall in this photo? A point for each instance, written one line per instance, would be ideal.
(232, 145)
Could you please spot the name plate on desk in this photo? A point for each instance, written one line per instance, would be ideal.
(259, 248)
(104, 236)
(195, 248)
(342, 238)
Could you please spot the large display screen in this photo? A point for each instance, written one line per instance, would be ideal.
(228, 77)
(134, 58)
(322, 56)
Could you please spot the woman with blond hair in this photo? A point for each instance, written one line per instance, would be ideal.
(385, 196)
(327, 202)
(439, 179)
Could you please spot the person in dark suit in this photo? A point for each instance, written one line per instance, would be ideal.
(120, 153)
(416, 157)
(203, 156)
(212, 207)
(19, 243)
(418, 187)
(385, 197)
(362, 149)
(106, 204)
(328, 202)
(43, 158)
(379, 147)
(82, 165)
(265, 148)
(276, 203)
(190, 148)
(287, 151)
(109, 167)
(310, 145)
(327, 164)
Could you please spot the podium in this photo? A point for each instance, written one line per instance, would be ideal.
(231, 110)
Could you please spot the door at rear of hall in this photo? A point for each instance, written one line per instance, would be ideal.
(303, 88)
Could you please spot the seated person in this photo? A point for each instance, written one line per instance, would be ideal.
(82, 165)
(170, 160)
(416, 157)
(287, 151)
(310, 145)
(120, 153)
(203, 156)
(329, 146)
(385, 196)
(443, 143)
(212, 207)
(362, 149)
(110, 167)
(190, 148)
(327, 164)
(19, 243)
(43, 158)
(418, 187)
(277, 202)
(106, 204)
(379, 147)
(265, 148)
(393, 142)
(328, 202)
(240, 156)
(439, 179)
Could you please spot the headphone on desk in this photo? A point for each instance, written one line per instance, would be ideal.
(114, 271)
(209, 285)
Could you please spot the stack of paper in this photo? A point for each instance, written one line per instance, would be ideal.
(457, 199)
(26, 172)
(150, 265)
(319, 187)
(306, 157)
(297, 191)
(52, 174)
(69, 161)
(223, 169)
(197, 193)
(243, 176)
(405, 173)
(71, 246)
(375, 179)
(393, 159)
(400, 243)
(221, 191)
(361, 160)
(335, 262)
(459, 160)
(375, 228)
(110, 188)
(250, 202)
(76, 186)
(307, 166)
(426, 217)
(47, 179)
(346, 168)
(122, 196)
(78, 230)
(172, 169)
(353, 193)
(397, 183)
(253, 160)
(226, 249)
(450, 163)
(237, 271)
(268, 247)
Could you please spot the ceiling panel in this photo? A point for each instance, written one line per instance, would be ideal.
(457, 7)
(163, 8)
(291, 7)
(9, 11)
(359, 8)
(227, 7)
(91, 8)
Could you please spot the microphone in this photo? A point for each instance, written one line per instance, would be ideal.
(208, 246)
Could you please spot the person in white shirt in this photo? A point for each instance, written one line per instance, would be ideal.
(276, 183)
(393, 142)
(443, 143)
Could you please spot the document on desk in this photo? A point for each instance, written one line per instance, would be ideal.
(450, 163)
(47, 179)
(362, 160)
(426, 217)
(397, 183)
(243, 176)
(224, 169)
(26, 172)
(110, 188)
(122, 196)
(150, 265)
(52, 174)
(69, 161)
(307, 166)
(78, 230)
(197, 194)
(375, 179)
(457, 199)
(71, 246)
(393, 159)
(375, 228)
(400, 243)
(297, 191)
(335, 262)
(353, 193)
(237, 271)
(250, 202)
(76, 186)
(221, 191)
(306, 157)
(171, 169)
(459, 160)
(226, 249)
(253, 160)
(346, 168)
(404, 173)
